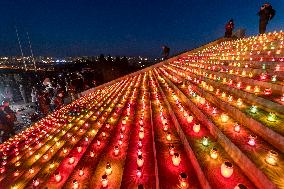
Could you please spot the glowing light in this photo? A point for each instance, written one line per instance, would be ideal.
(205, 141)
(196, 128)
(224, 118)
(71, 160)
(75, 184)
(35, 182)
(141, 134)
(108, 169)
(57, 177)
(272, 157)
(239, 102)
(140, 161)
(169, 138)
(214, 153)
(104, 181)
(271, 117)
(251, 141)
(81, 172)
(176, 159)
(227, 169)
(267, 91)
(237, 127)
(171, 149)
(189, 119)
(183, 180)
(139, 172)
(253, 109)
(116, 150)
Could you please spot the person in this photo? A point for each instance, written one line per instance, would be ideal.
(34, 95)
(166, 52)
(266, 13)
(229, 28)
(3, 125)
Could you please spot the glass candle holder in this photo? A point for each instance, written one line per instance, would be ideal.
(272, 157)
(196, 128)
(252, 139)
(205, 141)
(108, 169)
(227, 169)
(140, 161)
(183, 180)
(176, 159)
(214, 153)
(104, 181)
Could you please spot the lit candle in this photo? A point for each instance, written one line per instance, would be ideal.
(75, 184)
(183, 180)
(227, 169)
(271, 157)
(81, 172)
(176, 159)
(16, 173)
(139, 172)
(196, 128)
(172, 149)
(253, 109)
(139, 152)
(267, 91)
(123, 128)
(224, 118)
(57, 176)
(104, 134)
(140, 161)
(237, 127)
(35, 182)
(79, 149)
(31, 171)
(169, 138)
(108, 169)
(141, 134)
(71, 160)
(214, 153)
(98, 143)
(271, 117)
(104, 181)
(116, 150)
(165, 127)
(251, 141)
(92, 154)
(205, 141)
(189, 119)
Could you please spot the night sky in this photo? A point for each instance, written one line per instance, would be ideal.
(123, 27)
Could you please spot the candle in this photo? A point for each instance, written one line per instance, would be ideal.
(165, 127)
(251, 141)
(169, 138)
(227, 169)
(183, 180)
(81, 172)
(108, 169)
(35, 182)
(239, 102)
(79, 149)
(253, 109)
(271, 117)
(205, 141)
(75, 184)
(141, 134)
(139, 172)
(196, 128)
(139, 152)
(98, 143)
(71, 160)
(214, 153)
(176, 159)
(224, 118)
(189, 119)
(104, 181)
(92, 154)
(237, 127)
(271, 157)
(116, 150)
(57, 176)
(172, 149)
(140, 161)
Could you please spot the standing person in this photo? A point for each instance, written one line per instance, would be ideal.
(166, 52)
(34, 95)
(23, 93)
(266, 13)
(229, 28)
(10, 117)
